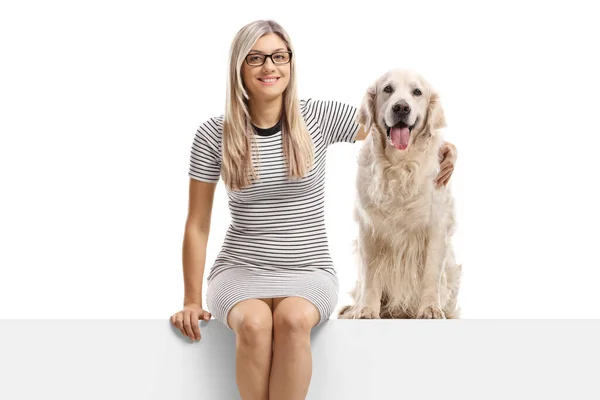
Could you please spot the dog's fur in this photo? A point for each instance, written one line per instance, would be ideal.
(406, 260)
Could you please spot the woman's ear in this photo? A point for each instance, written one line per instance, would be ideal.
(366, 112)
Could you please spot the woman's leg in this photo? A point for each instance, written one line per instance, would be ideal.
(252, 322)
(293, 320)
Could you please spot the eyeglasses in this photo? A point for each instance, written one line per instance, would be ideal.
(278, 58)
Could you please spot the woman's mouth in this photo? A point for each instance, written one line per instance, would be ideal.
(269, 80)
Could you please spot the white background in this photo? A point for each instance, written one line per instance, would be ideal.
(100, 102)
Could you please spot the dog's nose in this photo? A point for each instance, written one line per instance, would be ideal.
(401, 108)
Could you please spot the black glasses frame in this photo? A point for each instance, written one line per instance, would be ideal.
(268, 56)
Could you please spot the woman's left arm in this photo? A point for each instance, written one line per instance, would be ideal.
(448, 155)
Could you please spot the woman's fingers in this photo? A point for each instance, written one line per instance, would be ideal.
(195, 328)
(447, 179)
(178, 322)
(188, 323)
(444, 175)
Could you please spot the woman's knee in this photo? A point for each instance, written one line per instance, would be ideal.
(295, 315)
(252, 322)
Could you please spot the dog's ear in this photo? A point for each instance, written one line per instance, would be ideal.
(366, 112)
(435, 113)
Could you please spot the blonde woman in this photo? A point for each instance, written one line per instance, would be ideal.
(273, 280)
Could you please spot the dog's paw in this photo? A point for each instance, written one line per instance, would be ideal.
(393, 314)
(344, 312)
(368, 313)
(431, 312)
(354, 312)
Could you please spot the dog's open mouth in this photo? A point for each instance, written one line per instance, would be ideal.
(399, 134)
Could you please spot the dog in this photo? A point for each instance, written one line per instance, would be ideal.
(406, 262)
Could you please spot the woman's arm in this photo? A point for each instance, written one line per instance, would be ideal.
(361, 134)
(197, 228)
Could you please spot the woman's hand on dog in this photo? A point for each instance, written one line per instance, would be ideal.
(448, 156)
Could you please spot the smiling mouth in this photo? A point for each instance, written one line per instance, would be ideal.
(399, 134)
(269, 81)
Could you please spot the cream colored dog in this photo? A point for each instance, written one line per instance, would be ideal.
(406, 261)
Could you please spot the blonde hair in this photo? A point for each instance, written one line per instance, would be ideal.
(239, 142)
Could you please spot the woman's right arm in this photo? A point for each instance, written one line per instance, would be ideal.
(197, 229)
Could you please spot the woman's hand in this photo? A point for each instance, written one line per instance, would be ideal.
(187, 319)
(448, 155)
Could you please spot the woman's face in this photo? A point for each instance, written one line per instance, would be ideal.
(269, 80)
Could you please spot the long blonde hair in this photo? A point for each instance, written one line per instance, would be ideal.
(239, 142)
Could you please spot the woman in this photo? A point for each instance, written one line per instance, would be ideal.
(273, 280)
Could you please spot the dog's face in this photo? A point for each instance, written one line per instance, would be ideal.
(403, 106)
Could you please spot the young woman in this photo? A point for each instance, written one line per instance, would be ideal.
(273, 280)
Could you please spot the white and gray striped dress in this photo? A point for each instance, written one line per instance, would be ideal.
(276, 244)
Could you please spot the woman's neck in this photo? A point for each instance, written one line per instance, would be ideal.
(265, 113)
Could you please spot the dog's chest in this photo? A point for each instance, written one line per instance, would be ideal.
(408, 202)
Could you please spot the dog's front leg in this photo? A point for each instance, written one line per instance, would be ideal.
(430, 307)
(369, 294)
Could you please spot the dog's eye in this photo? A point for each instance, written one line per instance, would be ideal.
(388, 89)
(417, 92)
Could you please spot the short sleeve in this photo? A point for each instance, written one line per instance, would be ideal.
(337, 120)
(205, 157)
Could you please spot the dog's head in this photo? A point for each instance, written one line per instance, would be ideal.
(403, 108)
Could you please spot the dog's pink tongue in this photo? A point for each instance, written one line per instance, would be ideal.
(400, 137)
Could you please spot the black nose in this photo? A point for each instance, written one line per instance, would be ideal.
(401, 108)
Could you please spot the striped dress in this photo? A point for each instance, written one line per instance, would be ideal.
(276, 244)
